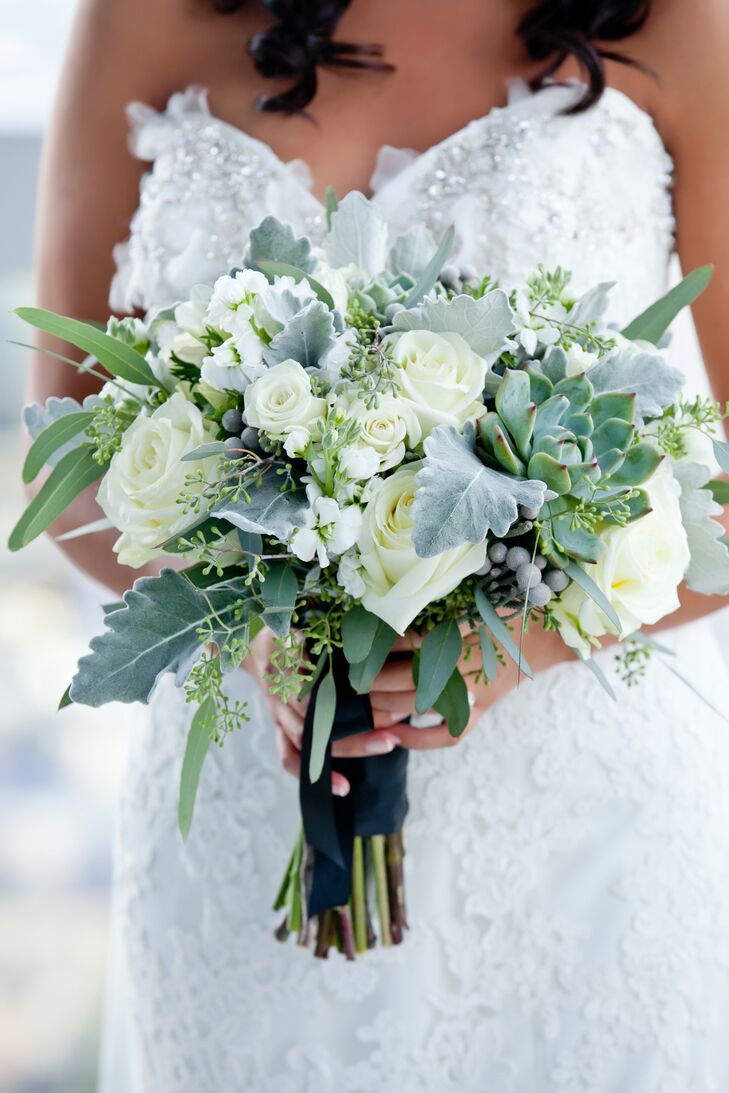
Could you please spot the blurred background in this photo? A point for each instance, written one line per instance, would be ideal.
(58, 772)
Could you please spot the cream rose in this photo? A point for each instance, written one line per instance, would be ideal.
(440, 377)
(387, 429)
(146, 476)
(639, 572)
(281, 404)
(399, 584)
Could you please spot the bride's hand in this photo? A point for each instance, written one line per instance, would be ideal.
(288, 719)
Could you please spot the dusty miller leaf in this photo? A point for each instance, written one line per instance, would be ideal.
(305, 338)
(709, 568)
(459, 499)
(358, 234)
(269, 511)
(274, 240)
(485, 324)
(633, 370)
(38, 416)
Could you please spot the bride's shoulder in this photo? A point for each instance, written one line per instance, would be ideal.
(685, 43)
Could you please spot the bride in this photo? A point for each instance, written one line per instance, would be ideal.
(569, 861)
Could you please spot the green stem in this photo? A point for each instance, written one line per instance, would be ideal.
(377, 845)
(359, 905)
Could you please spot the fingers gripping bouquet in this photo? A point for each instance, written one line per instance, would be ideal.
(354, 443)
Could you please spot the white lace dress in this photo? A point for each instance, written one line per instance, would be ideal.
(568, 865)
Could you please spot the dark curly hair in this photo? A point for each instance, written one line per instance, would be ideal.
(301, 40)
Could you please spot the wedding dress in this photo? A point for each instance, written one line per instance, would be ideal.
(567, 865)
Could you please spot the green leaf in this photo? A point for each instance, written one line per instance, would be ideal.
(430, 274)
(270, 511)
(196, 748)
(721, 454)
(306, 337)
(51, 439)
(362, 674)
(708, 570)
(69, 477)
(453, 705)
(500, 632)
(439, 656)
(576, 541)
(488, 654)
(640, 463)
(358, 234)
(516, 409)
(720, 490)
(217, 447)
(279, 592)
(588, 586)
(545, 468)
(633, 370)
(359, 628)
(119, 359)
(66, 699)
(326, 704)
(155, 632)
(283, 269)
(85, 529)
(652, 324)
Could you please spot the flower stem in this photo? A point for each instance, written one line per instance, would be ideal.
(396, 885)
(377, 846)
(359, 898)
(347, 933)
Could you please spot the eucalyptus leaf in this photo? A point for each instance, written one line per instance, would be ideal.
(459, 499)
(499, 630)
(439, 655)
(362, 674)
(330, 205)
(359, 629)
(216, 447)
(305, 338)
(269, 511)
(275, 241)
(38, 416)
(58, 434)
(196, 748)
(721, 454)
(588, 586)
(325, 707)
(489, 660)
(429, 276)
(453, 704)
(412, 251)
(708, 571)
(67, 480)
(86, 529)
(630, 369)
(279, 592)
(720, 490)
(599, 675)
(651, 325)
(283, 269)
(358, 234)
(484, 323)
(119, 359)
(65, 699)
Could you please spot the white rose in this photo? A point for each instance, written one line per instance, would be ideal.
(281, 401)
(440, 377)
(146, 476)
(388, 429)
(399, 584)
(579, 360)
(639, 572)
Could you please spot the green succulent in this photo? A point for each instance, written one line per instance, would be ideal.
(584, 446)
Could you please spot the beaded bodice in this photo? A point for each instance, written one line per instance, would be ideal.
(524, 184)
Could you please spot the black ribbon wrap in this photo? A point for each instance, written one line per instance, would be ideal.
(375, 805)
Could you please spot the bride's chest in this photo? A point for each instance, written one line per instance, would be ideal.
(522, 185)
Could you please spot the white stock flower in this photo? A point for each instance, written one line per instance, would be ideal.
(579, 360)
(349, 576)
(191, 315)
(359, 462)
(439, 376)
(231, 305)
(146, 476)
(327, 529)
(226, 369)
(399, 584)
(281, 402)
(639, 572)
(335, 282)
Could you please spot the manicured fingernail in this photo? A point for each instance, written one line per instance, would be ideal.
(339, 790)
(381, 746)
(396, 717)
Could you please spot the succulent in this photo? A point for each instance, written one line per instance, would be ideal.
(583, 445)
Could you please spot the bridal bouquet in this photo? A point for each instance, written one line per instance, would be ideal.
(357, 441)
